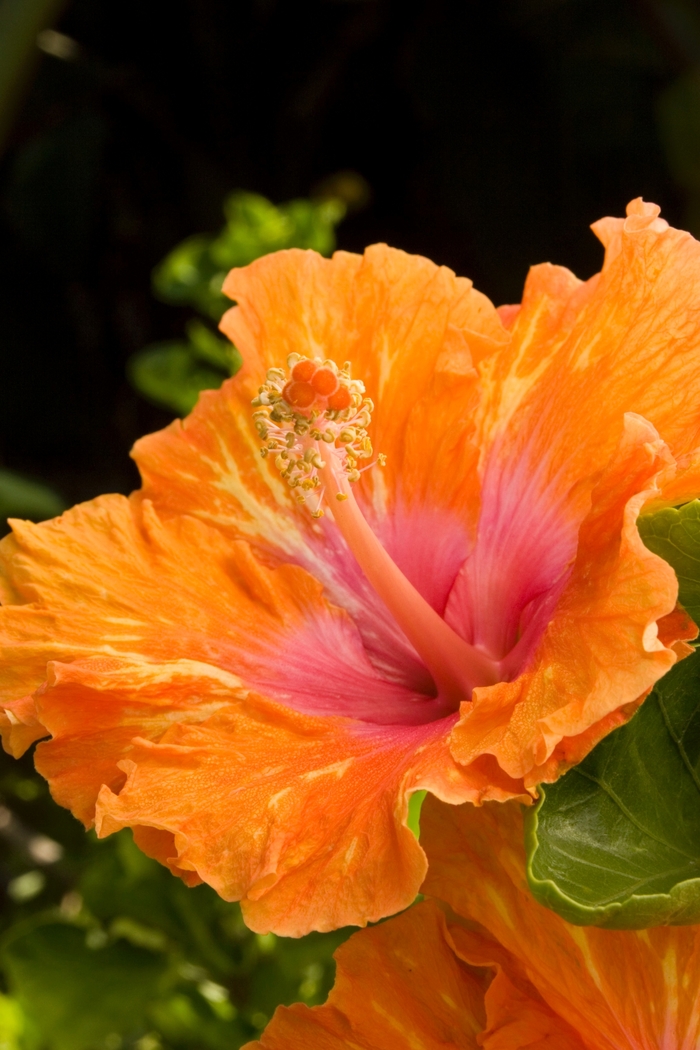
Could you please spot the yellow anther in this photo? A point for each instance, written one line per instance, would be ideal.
(328, 437)
(340, 496)
(317, 513)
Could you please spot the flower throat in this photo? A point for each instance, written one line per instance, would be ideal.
(313, 420)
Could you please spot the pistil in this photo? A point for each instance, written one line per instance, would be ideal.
(314, 422)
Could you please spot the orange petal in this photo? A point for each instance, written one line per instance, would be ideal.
(303, 818)
(582, 355)
(552, 404)
(93, 709)
(600, 650)
(146, 637)
(111, 579)
(517, 1020)
(618, 989)
(402, 985)
(398, 985)
(20, 726)
(411, 330)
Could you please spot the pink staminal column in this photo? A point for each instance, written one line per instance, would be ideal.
(455, 665)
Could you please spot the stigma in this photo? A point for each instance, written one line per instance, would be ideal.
(312, 419)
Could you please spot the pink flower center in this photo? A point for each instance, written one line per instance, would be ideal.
(314, 422)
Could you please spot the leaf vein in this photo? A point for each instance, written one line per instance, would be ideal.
(630, 816)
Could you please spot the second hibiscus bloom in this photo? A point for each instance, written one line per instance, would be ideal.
(257, 690)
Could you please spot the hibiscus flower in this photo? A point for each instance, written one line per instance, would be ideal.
(255, 660)
(487, 967)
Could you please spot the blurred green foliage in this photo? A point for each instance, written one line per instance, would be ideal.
(22, 498)
(103, 949)
(172, 374)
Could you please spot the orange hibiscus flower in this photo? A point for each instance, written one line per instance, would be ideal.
(495, 970)
(257, 689)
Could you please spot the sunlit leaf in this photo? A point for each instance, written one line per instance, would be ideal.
(194, 271)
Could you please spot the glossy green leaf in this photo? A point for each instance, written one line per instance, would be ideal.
(616, 841)
(171, 376)
(22, 498)
(76, 991)
(674, 534)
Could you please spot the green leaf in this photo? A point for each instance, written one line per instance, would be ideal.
(616, 841)
(170, 375)
(674, 534)
(77, 995)
(22, 498)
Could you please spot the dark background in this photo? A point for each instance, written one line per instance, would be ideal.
(491, 134)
